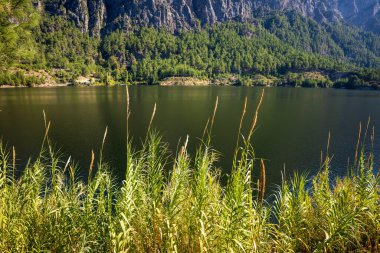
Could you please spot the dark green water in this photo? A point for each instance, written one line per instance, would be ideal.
(292, 129)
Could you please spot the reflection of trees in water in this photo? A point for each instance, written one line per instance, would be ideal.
(292, 127)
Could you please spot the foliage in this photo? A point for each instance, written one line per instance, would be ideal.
(17, 19)
(63, 46)
(307, 80)
(223, 48)
(149, 54)
(18, 78)
(336, 40)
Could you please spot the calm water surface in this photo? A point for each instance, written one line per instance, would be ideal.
(292, 130)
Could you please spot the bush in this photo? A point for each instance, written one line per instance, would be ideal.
(19, 78)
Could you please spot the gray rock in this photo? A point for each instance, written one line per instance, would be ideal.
(94, 15)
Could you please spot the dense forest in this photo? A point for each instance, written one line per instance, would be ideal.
(281, 48)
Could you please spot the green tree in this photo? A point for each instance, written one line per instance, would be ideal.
(17, 19)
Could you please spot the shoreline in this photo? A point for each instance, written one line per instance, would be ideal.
(34, 86)
(191, 82)
(313, 78)
(5, 87)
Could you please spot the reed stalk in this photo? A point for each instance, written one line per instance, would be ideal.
(357, 143)
(91, 165)
(152, 117)
(262, 180)
(254, 122)
(13, 162)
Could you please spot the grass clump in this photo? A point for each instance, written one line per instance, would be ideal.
(184, 208)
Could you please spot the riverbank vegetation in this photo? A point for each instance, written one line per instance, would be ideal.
(277, 46)
(176, 203)
(18, 78)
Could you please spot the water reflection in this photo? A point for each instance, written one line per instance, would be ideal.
(292, 128)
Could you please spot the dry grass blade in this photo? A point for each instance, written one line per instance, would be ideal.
(104, 137)
(205, 129)
(67, 164)
(13, 161)
(43, 112)
(366, 128)
(254, 122)
(127, 124)
(209, 124)
(262, 180)
(153, 114)
(321, 159)
(328, 145)
(102, 147)
(127, 110)
(45, 138)
(91, 164)
(241, 121)
(214, 113)
(357, 143)
(184, 147)
(127, 100)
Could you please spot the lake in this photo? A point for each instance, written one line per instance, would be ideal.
(292, 129)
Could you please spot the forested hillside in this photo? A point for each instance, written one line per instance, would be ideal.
(277, 48)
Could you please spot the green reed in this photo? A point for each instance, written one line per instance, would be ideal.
(176, 203)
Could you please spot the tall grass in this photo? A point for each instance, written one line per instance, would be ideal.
(184, 208)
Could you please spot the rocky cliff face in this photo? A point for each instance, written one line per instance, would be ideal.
(362, 13)
(93, 15)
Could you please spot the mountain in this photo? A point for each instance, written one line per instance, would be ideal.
(311, 43)
(313, 26)
(174, 15)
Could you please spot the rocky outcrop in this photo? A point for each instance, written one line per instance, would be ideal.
(184, 81)
(362, 13)
(97, 16)
(88, 15)
(94, 15)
